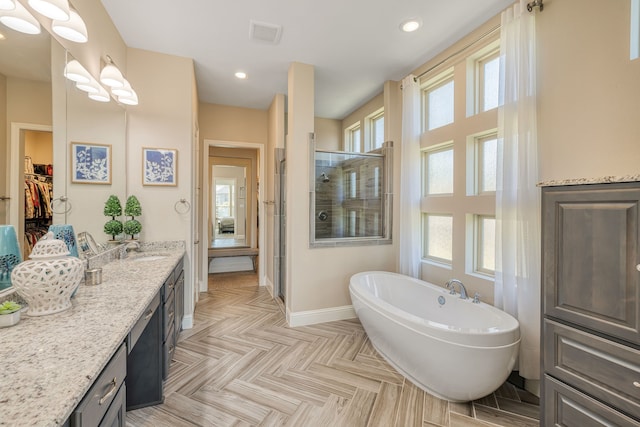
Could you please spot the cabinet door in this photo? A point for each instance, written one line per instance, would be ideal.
(590, 253)
(116, 415)
(179, 297)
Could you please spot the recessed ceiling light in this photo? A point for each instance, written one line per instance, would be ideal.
(241, 75)
(411, 25)
(2, 36)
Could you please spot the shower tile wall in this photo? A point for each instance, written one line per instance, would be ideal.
(348, 196)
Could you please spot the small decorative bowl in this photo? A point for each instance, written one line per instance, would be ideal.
(9, 319)
(48, 280)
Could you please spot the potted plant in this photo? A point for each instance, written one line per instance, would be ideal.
(9, 313)
(113, 208)
(132, 209)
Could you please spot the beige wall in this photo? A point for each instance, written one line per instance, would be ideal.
(226, 123)
(328, 134)
(163, 119)
(39, 146)
(588, 91)
(4, 149)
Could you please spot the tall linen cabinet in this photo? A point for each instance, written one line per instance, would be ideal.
(591, 305)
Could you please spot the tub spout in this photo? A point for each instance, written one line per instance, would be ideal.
(463, 291)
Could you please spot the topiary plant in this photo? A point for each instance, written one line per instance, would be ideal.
(113, 208)
(132, 227)
(113, 227)
(133, 208)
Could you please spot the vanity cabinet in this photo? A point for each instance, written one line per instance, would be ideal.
(105, 403)
(173, 309)
(591, 305)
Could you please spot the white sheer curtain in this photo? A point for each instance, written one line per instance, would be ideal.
(409, 251)
(517, 287)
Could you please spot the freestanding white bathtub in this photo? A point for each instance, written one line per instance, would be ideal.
(452, 348)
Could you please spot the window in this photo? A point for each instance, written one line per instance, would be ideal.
(489, 81)
(224, 197)
(486, 149)
(438, 244)
(437, 100)
(460, 149)
(352, 138)
(376, 131)
(437, 165)
(485, 246)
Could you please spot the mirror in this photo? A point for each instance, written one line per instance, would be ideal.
(37, 101)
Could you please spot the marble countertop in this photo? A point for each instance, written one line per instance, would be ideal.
(596, 180)
(49, 362)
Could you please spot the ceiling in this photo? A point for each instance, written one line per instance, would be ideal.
(354, 45)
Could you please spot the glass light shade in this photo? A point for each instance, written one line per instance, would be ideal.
(129, 100)
(125, 90)
(73, 29)
(111, 76)
(91, 86)
(7, 5)
(20, 19)
(74, 71)
(54, 9)
(101, 96)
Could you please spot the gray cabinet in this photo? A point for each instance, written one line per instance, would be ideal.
(173, 312)
(591, 305)
(104, 403)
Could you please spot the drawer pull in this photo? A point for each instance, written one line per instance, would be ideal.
(114, 384)
(148, 315)
(636, 384)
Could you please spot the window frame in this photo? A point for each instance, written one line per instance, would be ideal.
(351, 145)
(429, 86)
(425, 242)
(370, 137)
(478, 255)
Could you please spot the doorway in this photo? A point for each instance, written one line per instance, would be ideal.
(228, 228)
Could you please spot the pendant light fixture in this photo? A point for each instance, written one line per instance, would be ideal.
(125, 90)
(20, 19)
(7, 5)
(54, 9)
(101, 96)
(73, 29)
(75, 72)
(92, 86)
(111, 76)
(129, 100)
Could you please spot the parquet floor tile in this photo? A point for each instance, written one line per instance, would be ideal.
(241, 365)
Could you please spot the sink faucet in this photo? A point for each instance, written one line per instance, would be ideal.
(451, 287)
(132, 246)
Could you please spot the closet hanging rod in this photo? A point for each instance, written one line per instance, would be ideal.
(490, 32)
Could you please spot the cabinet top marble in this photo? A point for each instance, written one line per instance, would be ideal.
(596, 180)
(49, 362)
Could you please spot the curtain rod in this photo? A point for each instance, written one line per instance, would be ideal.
(459, 51)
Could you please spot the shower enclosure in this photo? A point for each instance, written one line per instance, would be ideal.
(350, 197)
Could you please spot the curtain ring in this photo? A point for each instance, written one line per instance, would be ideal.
(65, 200)
(183, 202)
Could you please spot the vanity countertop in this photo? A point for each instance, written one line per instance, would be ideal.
(597, 180)
(49, 362)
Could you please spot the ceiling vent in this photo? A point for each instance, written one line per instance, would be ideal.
(264, 32)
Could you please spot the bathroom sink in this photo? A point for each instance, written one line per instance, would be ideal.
(145, 258)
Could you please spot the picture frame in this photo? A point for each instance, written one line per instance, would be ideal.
(159, 166)
(90, 163)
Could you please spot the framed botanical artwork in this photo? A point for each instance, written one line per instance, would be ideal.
(90, 163)
(159, 166)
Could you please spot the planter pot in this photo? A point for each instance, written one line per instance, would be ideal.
(9, 319)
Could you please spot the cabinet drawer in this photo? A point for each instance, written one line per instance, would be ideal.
(169, 314)
(115, 416)
(565, 406)
(168, 287)
(168, 350)
(608, 370)
(138, 328)
(103, 391)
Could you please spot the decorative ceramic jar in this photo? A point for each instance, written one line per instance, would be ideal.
(65, 233)
(47, 281)
(10, 254)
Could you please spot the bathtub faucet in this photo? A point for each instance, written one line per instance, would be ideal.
(451, 287)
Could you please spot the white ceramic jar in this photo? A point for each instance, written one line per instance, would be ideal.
(47, 281)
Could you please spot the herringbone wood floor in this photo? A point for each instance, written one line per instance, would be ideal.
(242, 366)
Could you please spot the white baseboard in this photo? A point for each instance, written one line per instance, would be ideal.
(187, 321)
(267, 282)
(311, 317)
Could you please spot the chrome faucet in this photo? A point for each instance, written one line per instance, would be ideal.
(452, 289)
(132, 246)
